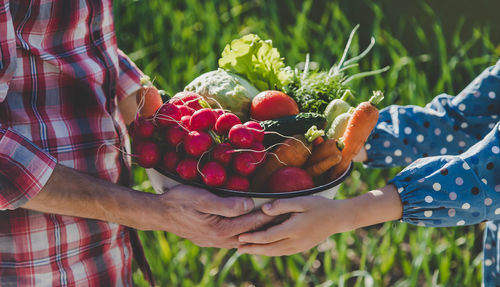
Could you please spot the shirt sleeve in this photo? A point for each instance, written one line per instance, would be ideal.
(8, 56)
(453, 190)
(129, 78)
(24, 169)
(446, 126)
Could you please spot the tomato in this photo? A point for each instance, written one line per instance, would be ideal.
(269, 105)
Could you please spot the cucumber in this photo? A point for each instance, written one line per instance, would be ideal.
(291, 125)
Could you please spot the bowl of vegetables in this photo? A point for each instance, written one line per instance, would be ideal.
(254, 127)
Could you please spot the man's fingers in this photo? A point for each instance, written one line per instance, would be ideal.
(224, 206)
(287, 205)
(272, 234)
(245, 223)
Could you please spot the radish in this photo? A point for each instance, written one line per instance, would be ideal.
(290, 179)
(185, 122)
(168, 115)
(259, 152)
(218, 112)
(202, 120)
(142, 128)
(223, 153)
(213, 174)
(189, 99)
(147, 152)
(196, 143)
(240, 136)
(186, 111)
(170, 160)
(244, 163)
(236, 182)
(225, 122)
(174, 135)
(188, 169)
(257, 130)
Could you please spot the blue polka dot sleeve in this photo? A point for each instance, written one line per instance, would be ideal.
(453, 145)
(453, 190)
(446, 126)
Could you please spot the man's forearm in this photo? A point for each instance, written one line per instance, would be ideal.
(69, 192)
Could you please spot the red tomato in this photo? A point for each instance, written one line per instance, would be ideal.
(269, 105)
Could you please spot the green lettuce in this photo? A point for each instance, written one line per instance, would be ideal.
(257, 61)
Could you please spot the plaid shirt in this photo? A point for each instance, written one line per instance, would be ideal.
(61, 77)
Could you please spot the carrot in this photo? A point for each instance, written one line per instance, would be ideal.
(322, 166)
(326, 149)
(148, 98)
(293, 152)
(359, 127)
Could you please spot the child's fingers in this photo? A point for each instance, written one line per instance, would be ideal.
(272, 234)
(282, 206)
(278, 248)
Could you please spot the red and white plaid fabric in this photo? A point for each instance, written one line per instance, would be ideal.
(61, 77)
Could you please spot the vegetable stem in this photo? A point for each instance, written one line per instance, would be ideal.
(360, 56)
(347, 46)
(365, 74)
(377, 97)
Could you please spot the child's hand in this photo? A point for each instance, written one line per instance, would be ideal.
(313, 219)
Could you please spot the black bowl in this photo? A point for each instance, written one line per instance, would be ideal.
(227, 192)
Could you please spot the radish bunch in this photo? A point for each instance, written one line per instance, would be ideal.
(199, 143)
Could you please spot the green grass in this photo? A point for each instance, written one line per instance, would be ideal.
(432, 47)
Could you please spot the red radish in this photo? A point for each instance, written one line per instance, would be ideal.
(189, 99)
(170, 160)
(142, 128)
(290, 179)
(168, 115)
(186, 111)
(259, 152)
(202, 120)
(174, 135)
(223, 153)
(225, 122)
(257, 130)
(196, 143)
(147, 152)
(185, 121)
(218, 112)
(240, 136)
(236, 182)
(188, 169)
(213, 174)
(244, 163)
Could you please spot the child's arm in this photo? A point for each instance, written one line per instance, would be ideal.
(435, 191)
(315, 218)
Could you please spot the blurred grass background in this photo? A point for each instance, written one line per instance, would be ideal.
(432, 47)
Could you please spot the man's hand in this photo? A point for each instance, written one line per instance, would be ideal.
(189, 212)
(204, 218)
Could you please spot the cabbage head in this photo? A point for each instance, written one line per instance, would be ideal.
(231, 91)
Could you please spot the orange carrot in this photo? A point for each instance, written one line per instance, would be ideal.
(359, 127)
(322, 166)
(148, 98)
(322, 151)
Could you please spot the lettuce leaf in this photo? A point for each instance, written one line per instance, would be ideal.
(257, 61)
